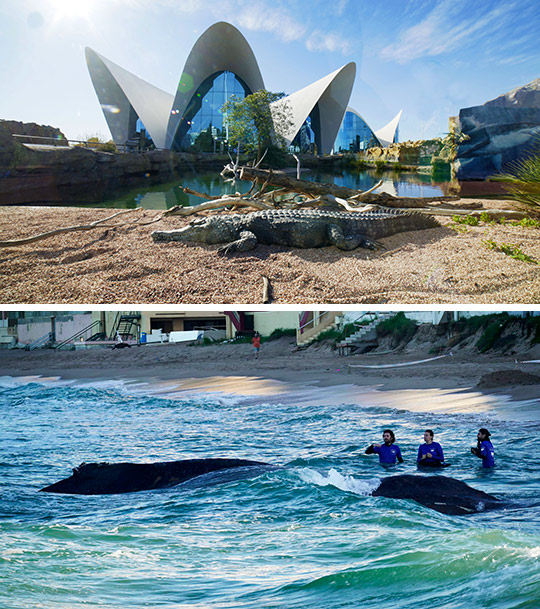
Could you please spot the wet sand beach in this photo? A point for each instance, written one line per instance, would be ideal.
(120, 263)
(455, 384)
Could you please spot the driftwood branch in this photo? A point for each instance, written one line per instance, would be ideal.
(297, 166)
(67, 229)
(202, 195)
(366, 192)
(316, 189)
(493, 214)
(178, 210)
(266, 290)
(261, 159)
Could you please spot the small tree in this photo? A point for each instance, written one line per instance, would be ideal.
(252, 126)
(204, 142)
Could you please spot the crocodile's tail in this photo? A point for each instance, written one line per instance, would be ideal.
(397, 221)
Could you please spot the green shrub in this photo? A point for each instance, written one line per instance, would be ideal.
(511, 250)
(533, 327)
(492, 325)
(279, 332)
(522, 180)
(399, 326)
(468, 220)
(490, 336)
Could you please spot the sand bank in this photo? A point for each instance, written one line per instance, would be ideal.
(315, 376)
(120, 263)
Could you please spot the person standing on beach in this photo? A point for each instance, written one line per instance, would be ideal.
(388, 452)
(484, 449)
(256, 341)
(430, 454)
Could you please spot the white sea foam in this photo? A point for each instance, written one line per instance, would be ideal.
(10, 382)
(344, 483)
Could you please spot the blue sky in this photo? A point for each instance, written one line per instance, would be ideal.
(427, 57)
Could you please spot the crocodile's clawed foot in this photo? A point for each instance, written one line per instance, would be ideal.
(224, 250)
(373, 245)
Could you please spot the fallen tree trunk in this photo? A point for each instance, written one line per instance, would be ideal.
(317, 189)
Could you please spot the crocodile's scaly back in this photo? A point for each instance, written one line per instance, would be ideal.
(303, 228)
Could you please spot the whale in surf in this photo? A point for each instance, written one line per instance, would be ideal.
(115, 478)
(440, 493)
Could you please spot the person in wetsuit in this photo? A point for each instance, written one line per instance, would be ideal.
(430, 454)
(388, 451)
(484, 449)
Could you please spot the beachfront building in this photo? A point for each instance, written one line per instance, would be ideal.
(220, 65)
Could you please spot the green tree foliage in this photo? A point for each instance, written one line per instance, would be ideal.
(204, 142)
(96, 143)
(250, 121)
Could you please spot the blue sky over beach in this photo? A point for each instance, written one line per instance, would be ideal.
(427, 57)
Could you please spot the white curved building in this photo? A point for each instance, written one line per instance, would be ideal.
(324, 102)
(356, 135)
(389, 133)
(220, 64)
(126, 98)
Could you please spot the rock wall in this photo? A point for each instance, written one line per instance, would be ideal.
(500, 132)
(407, 153)
(77, 174)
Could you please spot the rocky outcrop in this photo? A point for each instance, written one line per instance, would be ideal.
(501, 131)
(78, 174)
(75, 173)
(420, 152)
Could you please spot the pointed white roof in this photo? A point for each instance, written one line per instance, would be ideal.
(152, 105)
(332, 93)
(386, 134)
(220, 48)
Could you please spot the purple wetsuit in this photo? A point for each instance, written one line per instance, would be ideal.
(436, 451)
(388, 454)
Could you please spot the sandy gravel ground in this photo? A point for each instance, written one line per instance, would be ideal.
(467, 382)
(121, 264)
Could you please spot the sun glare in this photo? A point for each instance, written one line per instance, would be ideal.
(72, 9)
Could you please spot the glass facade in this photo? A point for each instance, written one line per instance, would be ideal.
(202, 124)
(304, 140)
(145, 141)
(354, 134)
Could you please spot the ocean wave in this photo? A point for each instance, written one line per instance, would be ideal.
(344, 483)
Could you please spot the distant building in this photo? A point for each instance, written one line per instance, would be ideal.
(222, 64)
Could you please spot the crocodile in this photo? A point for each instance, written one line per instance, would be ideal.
(304, 228)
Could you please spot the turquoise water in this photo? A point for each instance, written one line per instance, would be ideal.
(307, 535)
(165, 196)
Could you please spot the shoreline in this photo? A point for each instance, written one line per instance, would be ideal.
(447, 386)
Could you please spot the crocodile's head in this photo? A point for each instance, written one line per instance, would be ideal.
(216, 229)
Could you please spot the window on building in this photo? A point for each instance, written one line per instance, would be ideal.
(204, 125)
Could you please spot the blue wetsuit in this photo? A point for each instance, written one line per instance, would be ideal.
(388, 454)
(487, 454)
(436, 451)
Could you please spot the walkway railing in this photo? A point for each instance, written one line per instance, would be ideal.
(78, 334)
(40, 342)
(40, 140)
(309, 330)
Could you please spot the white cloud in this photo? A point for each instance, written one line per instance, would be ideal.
(261, 16)
(324, 41)
(444, 30)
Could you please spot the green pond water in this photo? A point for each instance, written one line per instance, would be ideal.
(306, 536)
(165, 196)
